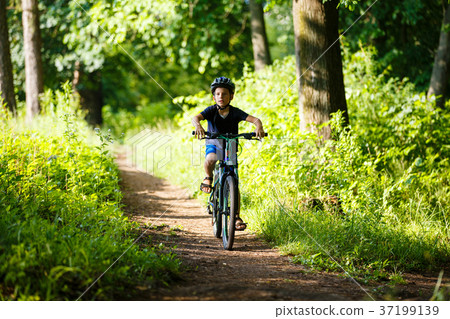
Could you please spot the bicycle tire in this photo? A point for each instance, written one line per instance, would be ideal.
(229, 213)
(216, 218)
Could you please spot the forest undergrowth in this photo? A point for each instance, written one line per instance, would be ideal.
(61, 222)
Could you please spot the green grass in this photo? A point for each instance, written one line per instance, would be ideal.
(61, 223)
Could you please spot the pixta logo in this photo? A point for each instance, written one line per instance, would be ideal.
(150, 150)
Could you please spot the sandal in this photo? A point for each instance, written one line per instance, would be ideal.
(206, 188)
(240, 225)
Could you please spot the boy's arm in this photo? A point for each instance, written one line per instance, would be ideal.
(258, 124)
(199, 131)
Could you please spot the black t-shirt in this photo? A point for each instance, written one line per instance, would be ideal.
(229, 124)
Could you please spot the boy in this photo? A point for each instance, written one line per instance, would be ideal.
(222, 118)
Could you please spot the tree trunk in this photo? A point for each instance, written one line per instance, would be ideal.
(33, 61)
(88, 86)
(6, 73)
(261, 53)
(439, 76)
(319, 64)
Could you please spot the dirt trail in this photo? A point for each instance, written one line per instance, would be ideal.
(252, 271)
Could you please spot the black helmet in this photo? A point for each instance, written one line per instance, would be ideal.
(222, 82)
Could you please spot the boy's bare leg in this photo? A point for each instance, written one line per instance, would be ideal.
(240, 225)
(210, 162)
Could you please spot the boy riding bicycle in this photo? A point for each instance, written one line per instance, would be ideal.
(222, 118)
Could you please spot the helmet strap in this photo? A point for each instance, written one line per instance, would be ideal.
(222, 108)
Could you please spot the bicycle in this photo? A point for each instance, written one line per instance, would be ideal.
(223, 203)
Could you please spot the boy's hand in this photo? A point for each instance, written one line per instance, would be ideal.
(259, 131)
(199, 132)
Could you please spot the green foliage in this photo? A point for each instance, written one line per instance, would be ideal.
(405, 33)
(389, 174)
(405, 134)
(146, 50)
(280, 30)
(61, 224)
(171, 29)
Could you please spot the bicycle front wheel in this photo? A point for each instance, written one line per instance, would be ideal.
(230, 210)
(216, 218)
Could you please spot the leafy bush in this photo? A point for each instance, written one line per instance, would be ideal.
(61, 224)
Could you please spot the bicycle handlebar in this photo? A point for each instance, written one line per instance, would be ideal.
(247, 136)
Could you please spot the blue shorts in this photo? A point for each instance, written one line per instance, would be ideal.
(210, 149)
(217, 149)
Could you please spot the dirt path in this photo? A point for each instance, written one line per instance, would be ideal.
(252, 271)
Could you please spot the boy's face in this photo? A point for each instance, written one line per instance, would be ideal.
(222, 97)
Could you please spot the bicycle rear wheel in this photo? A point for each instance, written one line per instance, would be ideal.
(230, 210)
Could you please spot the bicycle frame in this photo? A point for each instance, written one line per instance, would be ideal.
(225, 188)
(223, 169)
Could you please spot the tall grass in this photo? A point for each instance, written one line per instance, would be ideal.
(61, 223)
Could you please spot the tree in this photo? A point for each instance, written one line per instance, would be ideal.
(163, 42)
(88, 86)
(6, 74)
(439, 76)
(33, 61)
(261, 53)
(319, 63)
